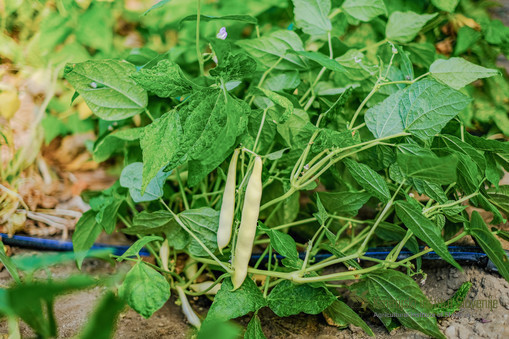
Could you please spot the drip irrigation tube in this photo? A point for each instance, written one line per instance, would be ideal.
(469, 255)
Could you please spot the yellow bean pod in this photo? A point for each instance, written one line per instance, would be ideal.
(247, 228)
(164, 254)
(224, 232)
(187, 309)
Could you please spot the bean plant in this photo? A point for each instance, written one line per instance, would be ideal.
(261, 165)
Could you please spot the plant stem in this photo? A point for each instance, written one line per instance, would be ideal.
(453, 240)
(380, 218)
(209, 252)
(149, 115)
(260, 129)
(182, 190)
(198, 52)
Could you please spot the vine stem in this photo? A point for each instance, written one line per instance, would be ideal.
(318, 77)
(149, 115)
(209, 252)
(379, 219)
(198, 52)
(453, 240)
(429, 210)
(182, 190)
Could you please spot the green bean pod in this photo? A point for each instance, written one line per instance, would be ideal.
(247, 228)
(224, 232)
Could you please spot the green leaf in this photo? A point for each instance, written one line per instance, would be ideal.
(85, 234)
(114, 142)
(287, 299)
(107, 88)
(322, 60)
(433, 169)
(453, 304)
(156, 5)
(107, 214)
(9, 265)
(404, 26)
(34, 262)
(230, 304)
(490, 245)
(312, 16)
(392, 292)
(137, 246)
(282, 243)
(254, 329)
(424, 229)
(268, 49)
(33, 301)
(203, 222)
(219, 330)
(144, 289)
(454, 143)
(234, 17)
(364, 10)
(500, 198)
(369, 180)
(445, 5)
(160, 145)
(422, 109)
(280, 101)
(322, 214)
(347, 203)
(466, 38)
(95, 27)
(457, 72)
(341, 314)
(165, 80)
(203, 132)
(102, 323)
(484, 144)
(131, 178)
(234, 66)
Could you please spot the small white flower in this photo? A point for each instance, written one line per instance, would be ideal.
(222, 33)
(93, 84)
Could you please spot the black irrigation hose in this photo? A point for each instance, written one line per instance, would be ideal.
(469, 255)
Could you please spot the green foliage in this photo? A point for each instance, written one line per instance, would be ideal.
(288, 299)
(342, 315)
(423, 109)
(490, 245)
(457, 72)
(353, 105)
(144, 289)
(404, 26)
(230, 304)
(384, 289)
(107, 88)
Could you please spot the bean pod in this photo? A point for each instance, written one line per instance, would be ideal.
(224, 232)
(187, 309)
(247, 229)
(164, 254)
